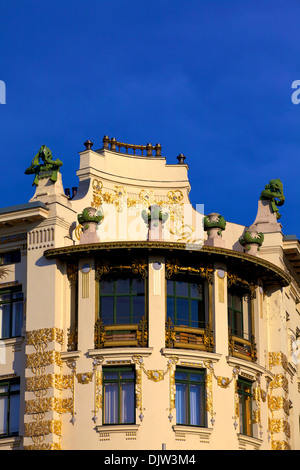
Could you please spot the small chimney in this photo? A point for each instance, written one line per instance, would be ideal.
(181, 159)
(88, 144)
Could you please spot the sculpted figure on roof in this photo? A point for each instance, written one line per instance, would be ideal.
(274, 192)
(43, 166)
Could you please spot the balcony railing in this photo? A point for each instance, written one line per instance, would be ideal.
(108, 336)
(242, 347)
(186, 337)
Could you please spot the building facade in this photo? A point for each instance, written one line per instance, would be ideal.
(131, 320)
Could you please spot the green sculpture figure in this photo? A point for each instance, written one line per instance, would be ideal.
(247, 239)
(89, 214)
(154, 213)
(220, 223)
(274, 193)
(43, 166)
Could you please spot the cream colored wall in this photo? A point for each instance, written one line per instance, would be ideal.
(48, 306)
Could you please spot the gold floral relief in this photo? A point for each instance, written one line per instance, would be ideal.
(42, 428)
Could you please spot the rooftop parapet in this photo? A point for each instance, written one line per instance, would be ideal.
(113, 144)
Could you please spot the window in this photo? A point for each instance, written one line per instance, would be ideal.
(11, 313)
(119, 395)
(9, 407)
(239, 314)
(185, 305)
(190, 397)
(245, 406)
(122, 301)
(10, 257)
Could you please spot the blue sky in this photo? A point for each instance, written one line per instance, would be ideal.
(207, 78)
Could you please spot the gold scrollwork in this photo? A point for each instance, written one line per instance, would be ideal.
(40, 383)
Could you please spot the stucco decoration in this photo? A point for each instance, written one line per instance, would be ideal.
(88, 220)
(43, 166)
(214, 224)
(155, 218)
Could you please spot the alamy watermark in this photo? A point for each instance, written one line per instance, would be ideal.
(296, 94)
(296, 352)
(2, 92)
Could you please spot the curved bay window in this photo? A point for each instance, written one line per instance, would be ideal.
(122, 319)
(185, 303)
(187, 319)
(240, 324)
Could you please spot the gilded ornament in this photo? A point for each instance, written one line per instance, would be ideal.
(84, 378)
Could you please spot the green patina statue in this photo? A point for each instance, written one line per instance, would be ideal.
(89, 215)
(274, 193)
(220, 223)
(43, 166)
(154, 213)
(247, 239)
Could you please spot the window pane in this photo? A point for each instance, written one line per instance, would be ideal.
(111, 375)
(138, 308)
(170, 308)
(195, 405)
(181, 375)
(196, 291)
(127, 374)
(181, 403)
(237, 303)
(123, 286)
(14, 414)
(238, 324)
(170, 287)
(138, 286)
(18, 295)
(107, 310)
(111, 404)
(182, 312)
(122, 310)
(17, 318)
(182, 289)
(5, 298)
(5, 321)
(127, 403)
(195, 314)
(107, 287)
(3, 415)
(196, 377)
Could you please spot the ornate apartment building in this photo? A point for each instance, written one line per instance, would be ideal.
(131, 320)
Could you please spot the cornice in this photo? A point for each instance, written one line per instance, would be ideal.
(212, 254)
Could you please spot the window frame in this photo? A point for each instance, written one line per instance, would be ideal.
(201, 322)
(245, 406)
(118, 381)
(11, 301)
(9, 394)
(202, 401)
(232, 312)
(14, 256)
(116, 295)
